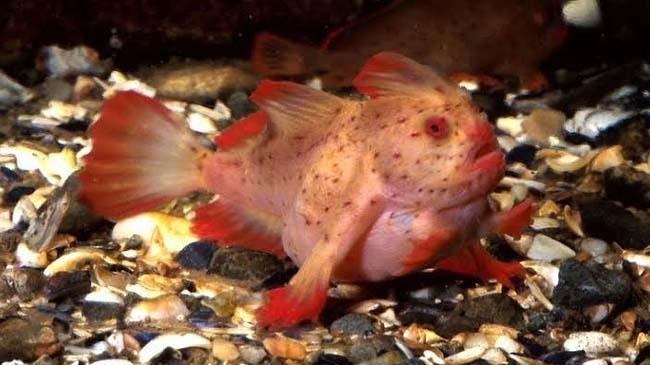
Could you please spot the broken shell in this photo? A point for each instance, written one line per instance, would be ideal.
(175, 232)
(549, 272)
(465, 356)
(175, 341)
(509, 345)
(498, 329)
(542, 223)
(421, 335)
(505, 200)
(76, 260)
(511, 125)
(548, 208)
(285, 347)
(27, 159)
(163, 308)
(30, 258)
(545, 248)
(224, 350)
(609, 157)
(636, 258)
(152, 286)
(56, 167)
(561, 161)
(121, 83)
(494, 356)
(200, 123)
(64, 111)
(591, 342)
(591, 122)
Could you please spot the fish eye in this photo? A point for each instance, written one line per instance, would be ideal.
(436, 127)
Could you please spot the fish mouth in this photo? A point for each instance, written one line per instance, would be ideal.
(487, 157)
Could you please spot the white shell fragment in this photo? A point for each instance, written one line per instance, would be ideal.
(103, 295)
(163, 308)
(590, 122)
(175, 232)
(465, 356)
(200, 123)
(27, 257)
(119, 82)
(76, 260)
(63, 112)
(591, 342)
(545, 248)
(582, 13)
(175, 341)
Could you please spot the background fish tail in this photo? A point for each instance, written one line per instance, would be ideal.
(142, 156)
(277, 56)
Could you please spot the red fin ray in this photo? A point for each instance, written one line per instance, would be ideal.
(131, 167)
(245, 128)
(475, 261)
(296, 109)
(425, 250)
(389, 73)
(511, 222)
(233, 224)
(285, 307)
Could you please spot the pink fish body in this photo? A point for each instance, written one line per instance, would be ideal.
(349, 190)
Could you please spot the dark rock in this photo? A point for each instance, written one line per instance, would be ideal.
(497, 308)
(197, 255)
(26, 282)
(67, 284)
(9, 240)
(353, 324)
(524, 153)
(611, 222)
(331, 359)
(417, 312)
(8, 175)
(369, 349)
(25, 340)
(239, 104)
(243, 264)
(101, 311)
(628, 186)
(562, 357)
(11, 196)
(584, 283)
(634, 137)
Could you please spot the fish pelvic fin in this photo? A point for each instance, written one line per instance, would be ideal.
(276, 56)
(142, 156)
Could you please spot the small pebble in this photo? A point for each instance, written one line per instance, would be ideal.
(224, 350)
(591, 342)
(353, 324)
(164, 308)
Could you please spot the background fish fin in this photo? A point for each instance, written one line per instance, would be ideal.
(293, 108)
(232, 224)
(389, 73)
(276, 56)
(131, 167)
(245, 128)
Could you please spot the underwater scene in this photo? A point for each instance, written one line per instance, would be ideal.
(327, 182)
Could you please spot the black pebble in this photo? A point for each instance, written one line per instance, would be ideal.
(331, 359)
(611, 222)
(585, 283)
(524, 153)
(353, 324)
(628, 186)
(11, 196)
(101, 311)
(197, 255)
(8, 175)
(239, 105)
(562, 357)
(243, 264)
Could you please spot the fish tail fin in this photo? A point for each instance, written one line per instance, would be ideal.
(277, 56)
(142, 156)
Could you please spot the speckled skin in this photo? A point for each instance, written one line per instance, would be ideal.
(374, 165)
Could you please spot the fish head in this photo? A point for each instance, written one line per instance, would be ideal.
(437, 151)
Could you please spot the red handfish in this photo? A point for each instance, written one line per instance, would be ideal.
(456, 37)
(349, 190)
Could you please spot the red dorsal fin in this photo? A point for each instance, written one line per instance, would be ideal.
(245, 128)
(233, 224)
(131, 167)
(293, 108)
(389, 73)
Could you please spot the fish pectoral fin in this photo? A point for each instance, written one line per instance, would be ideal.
(391, 74)
(243, 129)
(305, 296)
(475, 261)
(426, 249)
(296, 110)
(512, 221)
(235, 224)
